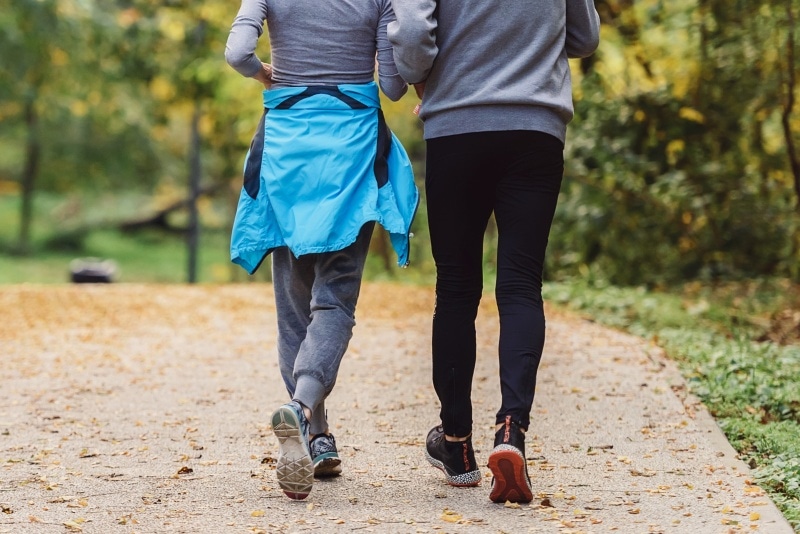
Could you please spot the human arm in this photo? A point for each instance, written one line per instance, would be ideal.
(247, 27)
(391, 83)
(413, 36)
(583, 28)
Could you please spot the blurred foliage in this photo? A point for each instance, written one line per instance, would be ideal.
(678, 165)
(679, 160)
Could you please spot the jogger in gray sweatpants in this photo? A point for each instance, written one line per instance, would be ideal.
(322, 169)
(316, 296)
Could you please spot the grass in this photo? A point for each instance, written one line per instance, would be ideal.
(144, 258)
(750, 387)
(153, 256)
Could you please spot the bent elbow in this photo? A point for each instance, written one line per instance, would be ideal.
(395, 93)
(234, 59)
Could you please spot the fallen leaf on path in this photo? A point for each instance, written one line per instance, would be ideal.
(450, 516)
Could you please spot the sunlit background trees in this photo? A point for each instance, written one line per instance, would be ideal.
(682, 159)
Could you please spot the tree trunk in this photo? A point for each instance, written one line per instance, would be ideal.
(788, 107)
(193, 231)
(29, 175)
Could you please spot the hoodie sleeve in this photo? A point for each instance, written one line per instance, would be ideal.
(583, 28)
(413, 36)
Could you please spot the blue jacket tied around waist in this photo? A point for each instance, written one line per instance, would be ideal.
(322, 164)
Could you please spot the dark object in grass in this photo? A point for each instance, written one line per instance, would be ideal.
(92, 271)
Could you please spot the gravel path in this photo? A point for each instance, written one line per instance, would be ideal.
(144, 409)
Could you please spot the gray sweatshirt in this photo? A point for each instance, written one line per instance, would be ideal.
(314, 42)
(493, 65)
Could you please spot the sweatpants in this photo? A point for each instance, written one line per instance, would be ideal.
(517, 176)
(315, 297)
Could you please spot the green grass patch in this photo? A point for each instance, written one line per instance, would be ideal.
(146, 257)
(750, 387)
(66, 228)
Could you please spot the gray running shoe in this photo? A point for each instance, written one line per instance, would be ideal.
(295, 469)
(325, 456)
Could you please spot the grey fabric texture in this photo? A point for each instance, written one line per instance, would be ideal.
(488, 66)
(316, 297)
(317, 43)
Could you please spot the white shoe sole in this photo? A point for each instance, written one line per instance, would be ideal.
(295, 470)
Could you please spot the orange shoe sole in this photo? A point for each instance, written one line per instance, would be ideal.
(510, 478)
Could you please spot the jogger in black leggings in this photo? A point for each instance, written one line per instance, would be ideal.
(516, 175)
(496, 100)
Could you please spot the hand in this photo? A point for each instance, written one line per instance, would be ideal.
(265, 75)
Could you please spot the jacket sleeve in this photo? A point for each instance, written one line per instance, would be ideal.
(240, 50)
(413, 36)
(583, 28)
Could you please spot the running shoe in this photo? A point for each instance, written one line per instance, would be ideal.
(456, 459)
(295, 469)
(509, 468)
(325, 456)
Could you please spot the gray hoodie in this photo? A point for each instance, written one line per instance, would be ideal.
(493, 65)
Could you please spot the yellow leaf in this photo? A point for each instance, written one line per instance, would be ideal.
(691, 114)
(173, 29)
(58, 57)
(450, 516)
(161, 88)
(755, 516)
(79, 108)
(257, 513)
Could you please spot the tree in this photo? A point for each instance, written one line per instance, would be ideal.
(679, 166)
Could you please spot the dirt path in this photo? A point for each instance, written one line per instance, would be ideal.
(144, 409)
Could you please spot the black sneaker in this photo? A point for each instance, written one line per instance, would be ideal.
(324, 456)
(295, 469)
(455, 459)
(510, 480)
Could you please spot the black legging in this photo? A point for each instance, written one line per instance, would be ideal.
(516, 175)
